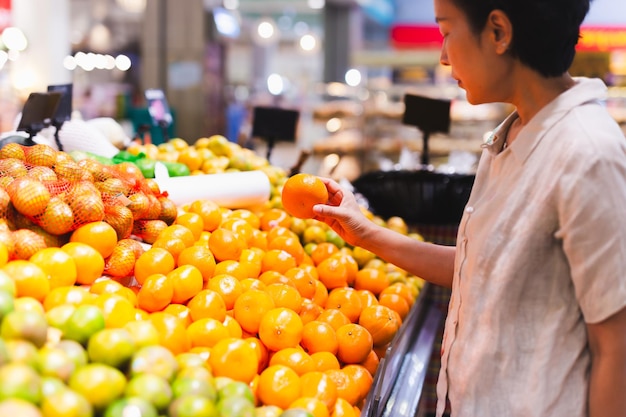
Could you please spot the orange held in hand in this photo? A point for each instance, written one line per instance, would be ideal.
(301, 192)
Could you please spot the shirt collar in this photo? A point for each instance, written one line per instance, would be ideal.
(585, 90)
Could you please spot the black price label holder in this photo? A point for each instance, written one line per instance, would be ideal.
(64, 109)
(37, 114)
(274, 124)
(429, 115)
(159, 110)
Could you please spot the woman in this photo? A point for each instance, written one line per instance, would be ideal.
(537, 320)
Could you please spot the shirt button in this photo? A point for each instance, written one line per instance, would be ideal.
(469, 209)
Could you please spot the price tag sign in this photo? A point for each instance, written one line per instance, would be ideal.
(274, 124)
(429, 115)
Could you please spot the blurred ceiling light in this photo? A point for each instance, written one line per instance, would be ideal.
(132, 6)
(265, 32)
(100, 38)
(300, 28)
(316, 4)
(231, 4)
(14, 55)
(109, 62)
(333, 125)
(122, 62)
(353, 77)
(14, 39)
(308, 43)
(4, 57)
(69, 63)
(24, 79)
(275, 84)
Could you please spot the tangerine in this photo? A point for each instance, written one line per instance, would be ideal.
(355, 343)
(301, 192)
(99, 235)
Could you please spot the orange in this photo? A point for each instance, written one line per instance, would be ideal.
(279, 385)
(117, 310)
(351, 266)
(274, 217)
(233, 327)
(301, 192)
(396, 302)
(173, 245)
(200, 257)
(346, 300)
(228, 287)
(258, 239)
(343, 408)
(381, 322)
(402, 289)
(206, 332)
(181, 311)
(246, 215)
(274, 277)
(193, 222)
(226, 244)
(261, 350)
(180, 232)
(355, 343)
(58, 265)
(233, 268)
(319, 336)
(187, 282)
(250, 307)
(155, 293)
(367, 298)
(334, 317)
(303, 281)
(207, 304)
(317, 384)
(172, 332)
(325, 361)
(234, 358)
(210, 213)
(252, 284)
(99, 235)
(371, 279)
(361, 376)
(279, 231)
(153, 261)
(251, 259)
(333, 273)
(371, 362)
(290, 244)
(239, 226)
(280, 328)
(323, 251)
(310, 268)
(347, 388)
(315, 406)
(285, 296)
(89, 262)
(66, 295)
(277, 260)
(321, 294)
(295, 358)
(309, 311)
(30, 280)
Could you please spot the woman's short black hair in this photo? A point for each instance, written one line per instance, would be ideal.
(545, 32)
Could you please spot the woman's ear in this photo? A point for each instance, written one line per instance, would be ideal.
(499, 30)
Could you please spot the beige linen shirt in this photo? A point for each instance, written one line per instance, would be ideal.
(541, 249)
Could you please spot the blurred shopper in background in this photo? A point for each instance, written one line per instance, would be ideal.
(537, 321)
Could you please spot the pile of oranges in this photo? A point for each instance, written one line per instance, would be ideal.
(275, 301)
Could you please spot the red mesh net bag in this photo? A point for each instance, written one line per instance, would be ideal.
(42, 188)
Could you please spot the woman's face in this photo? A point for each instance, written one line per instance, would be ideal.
(475, 65)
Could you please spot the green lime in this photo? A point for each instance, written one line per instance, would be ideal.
(51, 385)
(58, 316)
(25, 325)
(100, 384)
(7, 284)
(112, 347)
(189, 360)
(66, 402)
(21, 351)
(235, 407)
(4, 353)
(85, 321)
(193, 406)
(295, 412)
(17, 407)
(131, 406)
(268, 411)
(6, 303)
(333, 237)
(186, 386)
(156, 360)
(18, 380)
(55, 362)
(152, 388)
(236, 389)
(75, 351)
(143, 332)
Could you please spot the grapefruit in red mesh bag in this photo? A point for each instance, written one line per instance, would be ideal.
(29, 196)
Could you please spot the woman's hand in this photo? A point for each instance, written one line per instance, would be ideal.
(342, 213)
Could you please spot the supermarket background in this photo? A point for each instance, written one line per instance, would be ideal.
(343, 67)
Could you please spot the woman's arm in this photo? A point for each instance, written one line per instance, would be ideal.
(434, 263)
